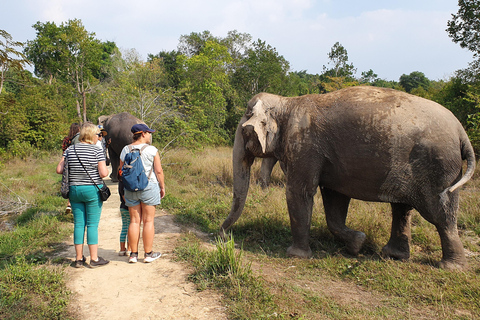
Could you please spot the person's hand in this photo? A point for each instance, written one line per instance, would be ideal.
(162, 193)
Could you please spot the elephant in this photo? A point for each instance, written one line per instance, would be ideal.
(266, 169)
(367, 143)
(118, 130)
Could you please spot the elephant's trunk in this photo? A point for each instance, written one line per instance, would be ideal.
(241, 180)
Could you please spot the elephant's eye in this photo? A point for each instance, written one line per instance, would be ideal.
(248, 114)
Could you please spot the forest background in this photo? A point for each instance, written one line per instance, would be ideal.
(193, 96)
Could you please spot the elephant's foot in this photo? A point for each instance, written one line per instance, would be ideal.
(355, 243)
(398, 252)
(453, 254)
(459, 264)
(113, 177)
(222, 233)
(300, 253)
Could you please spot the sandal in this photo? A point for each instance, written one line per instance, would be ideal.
(122, 253)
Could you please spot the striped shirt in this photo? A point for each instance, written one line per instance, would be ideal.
(90, 155)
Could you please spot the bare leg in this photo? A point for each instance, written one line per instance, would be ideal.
(93, 251)
(134, 227)
(336, 208)
(148, 217)
(79, 251)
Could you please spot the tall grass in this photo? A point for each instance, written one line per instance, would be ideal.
(32, 281)
(200, 194)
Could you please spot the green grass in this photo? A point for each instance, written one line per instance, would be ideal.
(333, 284)
(32, 281)
(256, 278)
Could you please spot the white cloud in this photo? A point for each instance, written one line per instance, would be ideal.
(391, 37)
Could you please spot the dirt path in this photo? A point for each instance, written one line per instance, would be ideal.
(120, 290)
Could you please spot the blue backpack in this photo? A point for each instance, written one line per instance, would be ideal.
(133, 172)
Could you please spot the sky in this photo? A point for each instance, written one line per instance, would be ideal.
(392, 37)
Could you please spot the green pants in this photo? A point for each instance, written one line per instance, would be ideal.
(86, 208)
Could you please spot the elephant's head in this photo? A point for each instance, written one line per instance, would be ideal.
(102, 119)
(256, 136)
(259, 126)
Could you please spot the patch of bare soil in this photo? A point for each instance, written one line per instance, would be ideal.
(119, 290)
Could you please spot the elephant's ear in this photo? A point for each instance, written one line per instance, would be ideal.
(264, 126)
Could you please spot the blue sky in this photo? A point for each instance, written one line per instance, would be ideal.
(392, 37)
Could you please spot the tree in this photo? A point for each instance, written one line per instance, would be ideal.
(369, 77)
(414, 80)
(464, 28)
(141, 89)
(10, 58)
(168, 60)
(261, 70)
(206, 84)
(191, 45)
(339, 60)
(71, 53)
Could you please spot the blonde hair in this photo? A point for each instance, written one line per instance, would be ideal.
(88, 133)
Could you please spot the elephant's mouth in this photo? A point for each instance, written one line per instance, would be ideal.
(251, 141)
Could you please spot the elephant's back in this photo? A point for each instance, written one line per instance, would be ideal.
(383, 110)
(120, 121)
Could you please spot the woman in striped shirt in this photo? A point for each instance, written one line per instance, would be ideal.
(86, 162)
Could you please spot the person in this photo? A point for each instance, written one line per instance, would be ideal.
(125, 218)
(72, 132)
(141, 204)
(85, 160)
(101, 141)
(67, 141)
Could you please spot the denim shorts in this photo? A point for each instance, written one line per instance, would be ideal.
(149, 196)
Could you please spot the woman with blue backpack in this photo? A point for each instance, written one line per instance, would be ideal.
(143, 180)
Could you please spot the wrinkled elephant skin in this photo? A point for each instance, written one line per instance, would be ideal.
(365, 143)
(118, 130)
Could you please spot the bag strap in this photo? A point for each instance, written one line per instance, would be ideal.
(86, 168)
(130, 148)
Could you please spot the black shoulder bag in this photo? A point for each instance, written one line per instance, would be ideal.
(104, 191)
(65, 188)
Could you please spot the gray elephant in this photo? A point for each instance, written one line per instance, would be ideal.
(118, 130)
(365, 143)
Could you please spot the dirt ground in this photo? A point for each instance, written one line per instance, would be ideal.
(119, 290)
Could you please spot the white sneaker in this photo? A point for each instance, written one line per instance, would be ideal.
(133, 257)
(152, 256)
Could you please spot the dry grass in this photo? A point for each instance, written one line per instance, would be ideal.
(333, 284)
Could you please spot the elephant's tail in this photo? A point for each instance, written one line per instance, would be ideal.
(469, 155)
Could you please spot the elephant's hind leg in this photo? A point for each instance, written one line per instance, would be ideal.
(444, 216)
(336, 208)
(398, 247)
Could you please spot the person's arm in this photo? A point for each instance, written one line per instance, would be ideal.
(102, 169)
(60, 166)
(157, 166)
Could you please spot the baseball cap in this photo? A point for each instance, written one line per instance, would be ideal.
(141, 127)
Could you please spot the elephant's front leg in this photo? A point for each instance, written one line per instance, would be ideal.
(266, 171)
(398, 247)
(336, 208)
(300, 206)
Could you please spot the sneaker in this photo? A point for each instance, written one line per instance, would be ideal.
(122, 253)
(68, 210)
(80, 263)
(152, 256)
(100, 262)
(133, 257)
